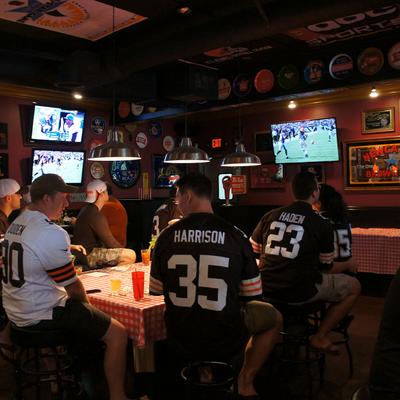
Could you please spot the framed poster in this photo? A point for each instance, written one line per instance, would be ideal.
(376, 121)
(267, 176)
(3, 165)
(372, 164)
(165, 175)
(263, 141)
(3, 135)
(316, 169)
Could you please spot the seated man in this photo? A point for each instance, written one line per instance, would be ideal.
(93, 233)
(44, 292)
(166, 214)
(204, 267)
(117, 217)
(296, 244)
(10, 200)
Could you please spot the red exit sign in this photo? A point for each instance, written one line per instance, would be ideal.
(216, 143)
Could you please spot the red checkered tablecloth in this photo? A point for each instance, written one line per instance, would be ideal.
(377, 250)
(144, 319)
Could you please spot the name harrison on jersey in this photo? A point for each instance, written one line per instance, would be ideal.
(198, 236)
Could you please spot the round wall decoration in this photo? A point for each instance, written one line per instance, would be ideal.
(242, 85)
(155, 129)
(124, 108)
(394, 56)
(125, 174)
(141, 140)
(168, 143)
(264, 81)
(97, 170)
(370, 61)
(341, 66)
(98, 125)
(314, 72)
(136, 109)
(288, 77)
(224, 89)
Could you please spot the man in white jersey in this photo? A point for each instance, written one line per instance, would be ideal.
(40, 287)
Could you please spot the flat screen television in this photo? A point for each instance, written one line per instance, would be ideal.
(311, 140)
(55, 124)
(68, 164)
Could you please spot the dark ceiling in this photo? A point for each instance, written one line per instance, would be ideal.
(252, 33)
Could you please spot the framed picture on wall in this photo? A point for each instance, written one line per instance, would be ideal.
(377, 121)
(165, 175)
(3, 165)
(267, 176)
(316, 169)
(3, 135)
(263, 141)
(372, 164)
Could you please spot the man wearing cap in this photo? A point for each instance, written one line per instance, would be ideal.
(10, 200)
(93, 232)
(44, 292)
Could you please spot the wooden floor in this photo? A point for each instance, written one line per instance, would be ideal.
(337, 386)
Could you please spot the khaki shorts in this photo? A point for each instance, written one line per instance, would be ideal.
(334, 288)
(259, 316)
(103, 255)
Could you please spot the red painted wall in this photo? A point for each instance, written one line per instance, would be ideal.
(348, 115)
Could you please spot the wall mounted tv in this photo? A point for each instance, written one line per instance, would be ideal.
(68, 164)
(311, 140)
(55, 124)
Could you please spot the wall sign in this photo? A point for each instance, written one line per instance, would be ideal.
(165, 175)
(239, 184)
(125, 173)
(373, 164)
(224, 89)
(242, 85)
(155, 129)
(267, 176)
(168, 143)
(288, 77)
(264, 81)
(370, 61)
(341, 66)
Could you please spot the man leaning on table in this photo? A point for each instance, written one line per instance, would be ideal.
(204, 266)
(45, 292)
(93, 232)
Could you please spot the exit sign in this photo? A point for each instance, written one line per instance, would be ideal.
(216, 143)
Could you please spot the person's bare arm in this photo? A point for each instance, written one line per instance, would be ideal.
(76, 291)
(78, 247)
(349, 265)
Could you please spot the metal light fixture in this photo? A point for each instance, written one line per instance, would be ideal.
(240, 158)
(186, 153)
(115, 149)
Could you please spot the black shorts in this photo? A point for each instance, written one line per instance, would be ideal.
(80, 319)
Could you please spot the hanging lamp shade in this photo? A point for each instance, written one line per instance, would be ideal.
(186, 153)
(115, 149)
(240, 158)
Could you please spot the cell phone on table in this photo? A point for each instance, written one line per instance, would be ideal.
(90, 291)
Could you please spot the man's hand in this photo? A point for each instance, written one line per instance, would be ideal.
(78, 247)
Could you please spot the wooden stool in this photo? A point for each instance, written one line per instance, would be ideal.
(35, 346)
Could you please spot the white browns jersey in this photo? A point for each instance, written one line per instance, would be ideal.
(37, 266)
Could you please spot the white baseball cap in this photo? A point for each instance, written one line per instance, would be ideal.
(94, 187)
(9, 187)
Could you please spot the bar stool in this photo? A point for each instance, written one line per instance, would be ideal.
(209, 380)
(300, 322)
(35, 347)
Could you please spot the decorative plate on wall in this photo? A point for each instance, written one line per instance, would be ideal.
(125, 173)
(97, 170)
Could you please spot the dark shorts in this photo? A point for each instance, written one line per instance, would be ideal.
(79, 319)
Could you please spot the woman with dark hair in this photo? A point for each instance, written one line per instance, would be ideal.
(332, 206)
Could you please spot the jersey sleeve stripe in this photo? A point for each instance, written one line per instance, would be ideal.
(64, 277)
(257, 247)
(61, 269)
(156, 286)
(250, 287)
(326, 258)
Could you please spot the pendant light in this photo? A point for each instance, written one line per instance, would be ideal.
(240, 158)
(186, 153)
(115, 149)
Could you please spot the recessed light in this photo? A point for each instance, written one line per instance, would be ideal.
(77, 96)
(292, 104)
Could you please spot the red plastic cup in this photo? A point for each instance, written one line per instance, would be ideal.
(138, 284)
